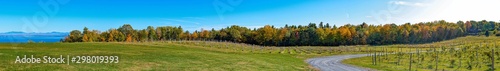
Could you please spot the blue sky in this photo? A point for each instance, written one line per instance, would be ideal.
(67, 15)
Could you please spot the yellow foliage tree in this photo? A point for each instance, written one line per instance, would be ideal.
(194, 35)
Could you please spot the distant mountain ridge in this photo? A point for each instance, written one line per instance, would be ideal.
(18, 33)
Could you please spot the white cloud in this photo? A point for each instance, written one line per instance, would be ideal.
(418, 4)
(405, 3)
(398, 2)
(449, 10)
(454, 10)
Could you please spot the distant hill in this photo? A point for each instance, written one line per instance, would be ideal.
(18, 33)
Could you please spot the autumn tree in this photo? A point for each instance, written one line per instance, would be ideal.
(320, 32)
(265, 34)
(186, 36)
(116, 36)
(299, 35)
(195, 35)
(104, 36)
(152, 33)
(143, 35)
(345, 35)
(85, 37)
(283, 33)
(74, 36)
(128, 31)
(90, 36)
(204, 34)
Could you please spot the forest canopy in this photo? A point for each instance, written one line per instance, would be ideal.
(313, 34)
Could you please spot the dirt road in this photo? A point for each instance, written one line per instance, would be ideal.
(334, 63)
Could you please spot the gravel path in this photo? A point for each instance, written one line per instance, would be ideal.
(334, 63)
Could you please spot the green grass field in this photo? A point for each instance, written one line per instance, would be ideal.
(146, 57)
(473, 55)
(175, 55)
(198, 55)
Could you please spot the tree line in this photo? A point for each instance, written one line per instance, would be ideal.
(299, 35)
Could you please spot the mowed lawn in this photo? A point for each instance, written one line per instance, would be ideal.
(141, 56)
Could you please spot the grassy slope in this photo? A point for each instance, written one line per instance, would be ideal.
(389, 64)
(146, 57)
(184, 56)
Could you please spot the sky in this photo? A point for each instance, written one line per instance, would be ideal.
(67, 15)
